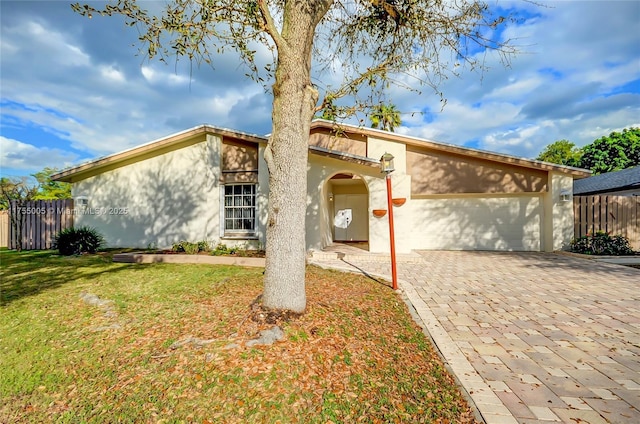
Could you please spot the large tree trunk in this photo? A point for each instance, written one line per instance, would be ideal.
(294, 100)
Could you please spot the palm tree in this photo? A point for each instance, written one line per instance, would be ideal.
(385, 117)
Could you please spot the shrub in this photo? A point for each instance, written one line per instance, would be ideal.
(222, 249)
(203, 246)
(243, 251)
(601, 243)
(74, 241)
(190, 248)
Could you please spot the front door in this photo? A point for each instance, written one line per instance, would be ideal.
(350, 220)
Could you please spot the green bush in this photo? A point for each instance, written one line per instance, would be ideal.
(222, 249)
(601, 243)
(190, 248)
(74, 241)
(203, 246)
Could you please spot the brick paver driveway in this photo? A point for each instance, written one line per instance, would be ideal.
(531, 336)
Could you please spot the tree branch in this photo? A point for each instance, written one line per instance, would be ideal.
(269, 25)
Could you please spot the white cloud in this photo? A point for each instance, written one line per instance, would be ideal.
(81, 80)
(559, 87)
(55, 42)
(507, 140)
(515, 88)
(15, 154)
(112, 74)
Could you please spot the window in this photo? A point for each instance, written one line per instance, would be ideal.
(239, 209)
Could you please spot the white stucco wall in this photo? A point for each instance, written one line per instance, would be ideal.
(158, 201)
(457, 222)
(176, 196)
(400, 188)
(402, 218)
(563, 219)
(376, 147)
(319, 220)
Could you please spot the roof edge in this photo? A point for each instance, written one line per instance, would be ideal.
(437, 145)
(154, 145)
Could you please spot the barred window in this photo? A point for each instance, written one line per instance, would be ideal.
(239, 208)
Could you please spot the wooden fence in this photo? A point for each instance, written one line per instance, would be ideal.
(4, 228)
(612, 214)
(34, 224)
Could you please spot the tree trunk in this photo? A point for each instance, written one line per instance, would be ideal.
(16, 219)
(294, 100)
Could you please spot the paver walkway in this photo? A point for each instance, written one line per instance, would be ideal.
(532, 337)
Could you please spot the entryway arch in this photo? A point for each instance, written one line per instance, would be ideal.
(348, 208)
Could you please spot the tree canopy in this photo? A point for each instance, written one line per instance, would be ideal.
(619, 150)
(386, 117)
(25, 189)
(562, 152)
(367, 44)
(49, 189)
(16, 189)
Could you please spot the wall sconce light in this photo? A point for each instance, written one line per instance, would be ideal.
(330, 197)
(565, 195)
(82, 201)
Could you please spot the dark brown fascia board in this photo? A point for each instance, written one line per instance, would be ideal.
(161, 145)
(451, 148)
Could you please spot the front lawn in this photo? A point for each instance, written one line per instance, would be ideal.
(83, 339)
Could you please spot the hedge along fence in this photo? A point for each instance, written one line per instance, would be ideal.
(611, 214)
(34, 224)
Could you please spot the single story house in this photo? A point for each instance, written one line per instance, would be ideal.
(210, 183)
(618, 183)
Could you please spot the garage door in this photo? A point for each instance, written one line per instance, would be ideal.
(511, 223)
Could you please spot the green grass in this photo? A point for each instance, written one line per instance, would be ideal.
(355, 353)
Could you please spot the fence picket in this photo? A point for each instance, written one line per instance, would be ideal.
(613, 214)
(4, 228)
(41, 221)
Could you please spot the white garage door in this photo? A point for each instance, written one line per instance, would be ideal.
(476, 223)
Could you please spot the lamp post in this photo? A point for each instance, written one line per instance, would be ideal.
(386, 166)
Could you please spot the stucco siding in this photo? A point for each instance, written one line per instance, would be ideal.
(346, 142)
(319, 221)
(158, 201)
(563, 219)
(444, 173)
(239, 161)
(510, 223)
(170, 190)
(376, 147)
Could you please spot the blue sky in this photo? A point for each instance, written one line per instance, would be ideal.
(73, 89)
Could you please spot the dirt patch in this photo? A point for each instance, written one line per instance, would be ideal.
(261, 315)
